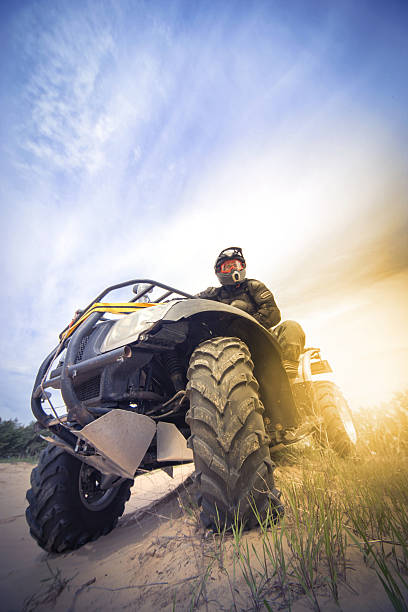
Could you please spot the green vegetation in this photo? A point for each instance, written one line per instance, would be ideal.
(19, 442)
(340, 514)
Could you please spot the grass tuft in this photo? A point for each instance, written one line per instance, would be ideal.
(333, 507)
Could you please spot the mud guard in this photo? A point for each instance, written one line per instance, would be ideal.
(222, 319)
(121, 440)
(171, 444)
(122, 437)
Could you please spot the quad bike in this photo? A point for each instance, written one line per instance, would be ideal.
(321, 405)
(175, 380)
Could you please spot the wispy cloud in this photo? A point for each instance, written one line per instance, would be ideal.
(150, 138)
(69, 118)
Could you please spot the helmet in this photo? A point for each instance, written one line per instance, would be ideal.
(230, 266)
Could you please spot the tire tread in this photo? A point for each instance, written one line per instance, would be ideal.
(228, 438)
(56, 517)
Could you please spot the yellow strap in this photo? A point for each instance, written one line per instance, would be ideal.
(117, 308)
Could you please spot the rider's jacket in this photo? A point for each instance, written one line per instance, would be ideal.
(251, 295)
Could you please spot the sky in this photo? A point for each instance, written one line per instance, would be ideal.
(139, 138)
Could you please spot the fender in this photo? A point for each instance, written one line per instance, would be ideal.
(222, 320)
(226, 320)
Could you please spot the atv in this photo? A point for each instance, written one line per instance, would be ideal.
(322, 407)
(148, 385)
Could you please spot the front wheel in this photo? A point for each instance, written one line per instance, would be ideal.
(336, 429)
(234, 470)
(67, 506)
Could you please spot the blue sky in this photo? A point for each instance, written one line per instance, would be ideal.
(141, 138)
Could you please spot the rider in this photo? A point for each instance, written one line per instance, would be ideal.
(255, 298)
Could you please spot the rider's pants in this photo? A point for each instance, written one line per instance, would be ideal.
(291, 338)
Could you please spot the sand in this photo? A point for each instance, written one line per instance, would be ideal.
(158, 558)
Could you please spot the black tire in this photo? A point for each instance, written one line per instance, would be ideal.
(234, 470)
(61, 514)
(336, 429)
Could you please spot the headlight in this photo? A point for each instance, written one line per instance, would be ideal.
(129, 328)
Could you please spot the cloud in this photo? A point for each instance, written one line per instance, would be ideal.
(293, 226)
(81, 92)
(68, 119)
(148, 141)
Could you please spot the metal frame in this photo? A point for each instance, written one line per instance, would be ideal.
(144, 281)
(70, 369)
(306, 366)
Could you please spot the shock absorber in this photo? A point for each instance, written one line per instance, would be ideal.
(174, 369)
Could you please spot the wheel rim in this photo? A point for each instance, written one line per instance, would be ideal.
(92, 496)
(346, 419)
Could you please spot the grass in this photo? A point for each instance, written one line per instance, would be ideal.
(341, 515)
(336, 504)
(334, 509)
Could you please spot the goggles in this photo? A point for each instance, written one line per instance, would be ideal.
(230, 266)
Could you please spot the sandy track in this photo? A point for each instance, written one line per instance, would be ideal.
(158, 557)
(23, 564)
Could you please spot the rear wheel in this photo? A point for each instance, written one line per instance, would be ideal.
(67, 506)
(234, 470)
(336, 428)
